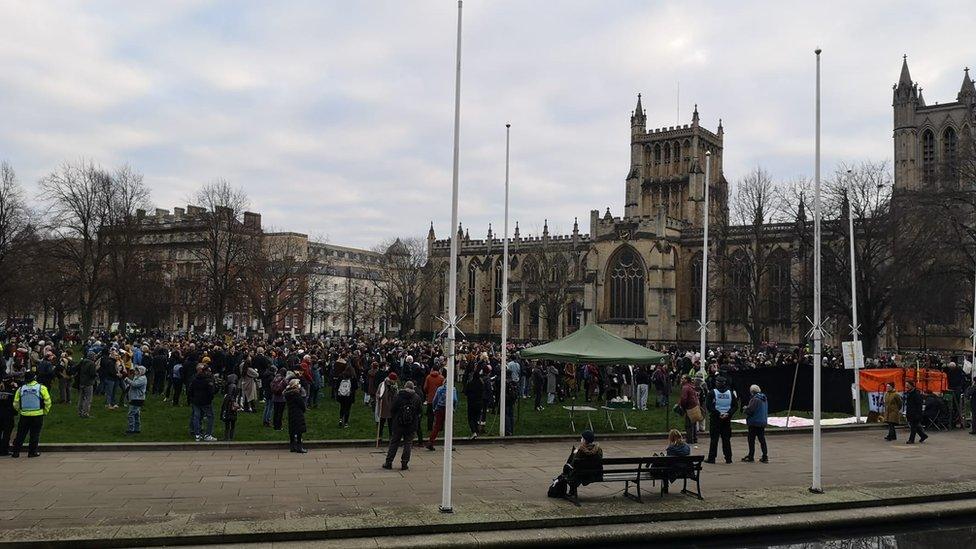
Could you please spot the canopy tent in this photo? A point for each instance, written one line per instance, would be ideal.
(594, 345)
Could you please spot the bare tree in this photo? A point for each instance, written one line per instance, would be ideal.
(403, 280)
(126, 260)
(224, 247)
(547, 279)
(17, 229)
(277, 277)
(80, 199)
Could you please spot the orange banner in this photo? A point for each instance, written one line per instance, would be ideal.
(929, 380)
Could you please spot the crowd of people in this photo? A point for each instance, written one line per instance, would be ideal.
(402, 384)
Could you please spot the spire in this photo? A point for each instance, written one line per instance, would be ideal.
(489, 232)
(575, 225)
(906, 78)
(638, 110)
(694, 116)
(516, 230)
(721, 130)
(430, 233)
(467, 235)
(460, 233)
(967, 89)
(545, 229)
(921, 100)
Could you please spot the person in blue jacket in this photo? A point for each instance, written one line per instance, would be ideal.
(757, 413)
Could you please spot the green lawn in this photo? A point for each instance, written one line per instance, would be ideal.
(161, 422)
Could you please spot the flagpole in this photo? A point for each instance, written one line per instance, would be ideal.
(703, 323)
(854, 325)
(816, 486)
(452, 319)
(504, 303)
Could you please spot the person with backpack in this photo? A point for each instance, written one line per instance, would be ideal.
(405, 421)
(346, 393)
(32, 401)
(278, 385)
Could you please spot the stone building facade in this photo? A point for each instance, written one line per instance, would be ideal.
(638, 274)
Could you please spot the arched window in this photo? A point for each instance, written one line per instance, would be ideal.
(779, 286)
(657, 153)
(625, 284)
(444, 289)
(739, 288)
(573, 313)
(928, 156)
(534, 314)
(950, 146)
(498, 286)
(472, 277)
(516, 314)
(667, 153)
(677, 152)
(695, 283)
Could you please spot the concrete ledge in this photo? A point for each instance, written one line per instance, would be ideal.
(532, 525)
(367, 443)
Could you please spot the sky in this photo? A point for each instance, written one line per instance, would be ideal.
(336, 117)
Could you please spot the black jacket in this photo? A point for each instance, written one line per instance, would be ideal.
(404, 397)
(202, 390)
(913, 404)
(475, 391)
(295, 402)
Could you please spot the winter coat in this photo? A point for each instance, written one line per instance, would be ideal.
(475, 391)
(137, 387)
(913, 405)
(892, 403)
(87, 373)
(386, 401)
(587, 462)
(689, 396)
(757, 412)
(249, 385)
(551, 375)
(202, 390)
(295, 402)
(404, 397)
(433, 381)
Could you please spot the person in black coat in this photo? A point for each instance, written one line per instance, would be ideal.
(475, 391)
(295, 402)
(404, 422)
(913, 412)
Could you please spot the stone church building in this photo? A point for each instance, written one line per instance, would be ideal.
(638, 273)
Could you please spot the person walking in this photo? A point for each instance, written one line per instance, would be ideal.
(295, 400)
(87, 375)
(691, 405)
(474, 390)
(913, 413)
(440, 409)
(135, 385)
(32, 401)
(721, 403)
(405, 420)
(757, 413)
(433, 380)
(892, 412)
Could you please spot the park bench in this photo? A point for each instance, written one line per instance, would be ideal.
(652, 468)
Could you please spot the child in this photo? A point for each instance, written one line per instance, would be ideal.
(228, 411)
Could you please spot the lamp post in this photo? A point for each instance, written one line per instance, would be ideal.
(452, 319)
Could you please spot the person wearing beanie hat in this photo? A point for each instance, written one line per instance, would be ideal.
(585, 464)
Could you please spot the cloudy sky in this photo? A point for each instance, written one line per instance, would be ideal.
(336, 117)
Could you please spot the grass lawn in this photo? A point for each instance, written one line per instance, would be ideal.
(161, 422)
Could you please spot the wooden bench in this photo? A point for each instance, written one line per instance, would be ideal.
(652, 468)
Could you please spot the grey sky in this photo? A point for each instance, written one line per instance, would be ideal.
(336, 117)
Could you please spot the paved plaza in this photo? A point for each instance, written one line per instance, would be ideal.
(195, 490)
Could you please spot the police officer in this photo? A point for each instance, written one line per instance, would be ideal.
(722, 403)
(32, 401)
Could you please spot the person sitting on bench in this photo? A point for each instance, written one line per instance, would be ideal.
(585, 465)
(677, 445)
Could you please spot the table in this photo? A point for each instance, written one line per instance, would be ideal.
(623, 412)
(572, 419)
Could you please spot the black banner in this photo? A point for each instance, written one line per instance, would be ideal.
(777, 382)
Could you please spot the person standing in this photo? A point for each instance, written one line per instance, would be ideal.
(109, 371)
(278, 386)
(538, 385)
(136, 386)
(757, 413)
(8, 414)
(385, 396)
(346, 393)
(433, 380)
(552, 379)
(405, 420)
(440, 410)
(295, 400)
(913, 413)
(690, 403)
(65, 374)
(87, 375)
(201, 394)
(892, 413)
(721, 406)
(643, 381)
(32, 401)
(229, 408)
(474, 390)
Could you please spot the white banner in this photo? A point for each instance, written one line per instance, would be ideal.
(853, 354)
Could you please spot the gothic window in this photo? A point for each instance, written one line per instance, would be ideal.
(677, 152)
(739, 288)
(928, 156)
(573, 312)
(516, 314)
(498, 286)
(472, 277)
(667, 153)
(779, 286)
(626, 285)
(444, 289)
(657, 154)
(534, 314)
(695, 283)
(950, 143)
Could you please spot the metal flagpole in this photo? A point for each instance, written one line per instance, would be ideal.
(816, 486)
(854, 325)
(504, 303)
(452, 319)
(703, 323)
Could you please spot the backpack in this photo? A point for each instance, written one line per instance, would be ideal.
(345, 387)
(407, 414)
(177, 368)
(558, 488)
(30, 398)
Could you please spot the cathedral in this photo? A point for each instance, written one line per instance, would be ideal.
(638, 273)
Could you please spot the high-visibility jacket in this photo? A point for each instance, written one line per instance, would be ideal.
(32, 399)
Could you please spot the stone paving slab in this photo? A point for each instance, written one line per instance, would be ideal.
(344, 492)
